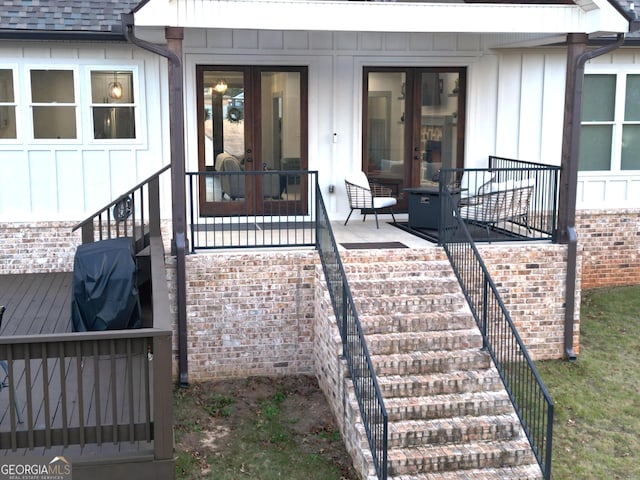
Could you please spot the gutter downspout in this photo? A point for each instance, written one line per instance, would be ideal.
(571, 141)
(178, 207)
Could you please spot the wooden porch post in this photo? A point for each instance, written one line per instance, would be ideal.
(174, 36)
(577, 44)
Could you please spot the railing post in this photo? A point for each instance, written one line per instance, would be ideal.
(343, 327)
(485, 310)
(162, 398)
(154, 207)
(87, 232)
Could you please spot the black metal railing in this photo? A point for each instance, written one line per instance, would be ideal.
(367, 390)
(134, 214)
(510, 200)
(528, 394)
(247, 209)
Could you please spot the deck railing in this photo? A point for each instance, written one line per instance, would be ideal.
(354, 347)
(134, 214)
(510, 200)
(100, 388)
(249, 209)
(528, 394)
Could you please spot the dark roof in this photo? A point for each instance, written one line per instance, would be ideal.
(101, 17)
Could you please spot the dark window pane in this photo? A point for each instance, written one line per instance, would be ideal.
(632, 99)
(54, 122)
(49, 86)
(598, 99)
(6, 86)
(595, 147)
(114, 122)
(630, 148)
(8, 122)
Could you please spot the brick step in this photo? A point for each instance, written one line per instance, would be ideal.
(391, 304)
(405, 286)
(416, 322)
(495, 454)
(448, 405)
(443, 431)
(406, 342)
(522, 472)
(420, 363)
(440, 383)
(369, 268)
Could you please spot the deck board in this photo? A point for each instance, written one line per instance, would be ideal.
(36, 303)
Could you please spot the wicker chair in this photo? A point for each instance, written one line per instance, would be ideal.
(368, 197)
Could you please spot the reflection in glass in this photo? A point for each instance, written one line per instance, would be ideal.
(598, 98)
(439, 124)
(52, 86)
(595, 147)
(223, 128)
(630, 159)
(386, 124)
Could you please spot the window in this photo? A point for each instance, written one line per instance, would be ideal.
(7, 105)
(610, 131)
(112, 104)
(53, 104)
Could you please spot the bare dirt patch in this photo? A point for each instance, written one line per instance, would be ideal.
(259, 428)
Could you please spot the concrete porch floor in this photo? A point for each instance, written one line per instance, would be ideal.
(357, 231)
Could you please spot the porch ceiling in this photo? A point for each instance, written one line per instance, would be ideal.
(589, 16)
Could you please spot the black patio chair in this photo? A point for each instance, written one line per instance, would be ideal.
(5, 379)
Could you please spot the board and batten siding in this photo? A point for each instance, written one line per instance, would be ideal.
(515, 106)
(66, 180)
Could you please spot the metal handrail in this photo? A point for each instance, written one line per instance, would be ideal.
(128, 215)
(354, 347)
(527, 392)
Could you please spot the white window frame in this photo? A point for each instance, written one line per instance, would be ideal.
(137, 95)
(15, 104)
(618, 122)
(76, 103)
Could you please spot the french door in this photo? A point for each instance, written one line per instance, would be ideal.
(413, 125)
(251, 118)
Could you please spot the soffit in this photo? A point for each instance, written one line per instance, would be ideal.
(591, 16)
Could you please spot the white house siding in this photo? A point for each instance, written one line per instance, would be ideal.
(66, 180)
(515, 98)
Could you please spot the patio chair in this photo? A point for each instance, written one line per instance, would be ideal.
(4, 383)
(368, 197)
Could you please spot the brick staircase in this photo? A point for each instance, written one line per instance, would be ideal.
(449, 415)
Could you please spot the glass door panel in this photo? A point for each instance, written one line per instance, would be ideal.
(252, 119)
(281, 121)
(412, 126)
(385, 120)
(438, 124)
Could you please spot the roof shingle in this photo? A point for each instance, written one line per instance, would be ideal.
(64, 15)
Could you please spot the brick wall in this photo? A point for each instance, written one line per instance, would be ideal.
(249, 313)
(531, 281)
(610, 241)
(37, 247)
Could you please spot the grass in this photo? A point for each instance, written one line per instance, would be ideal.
(257, 428)
(597, 397)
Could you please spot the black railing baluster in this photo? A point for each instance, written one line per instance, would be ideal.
(365, 383)
(528, 394)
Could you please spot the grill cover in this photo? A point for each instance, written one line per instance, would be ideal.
(105, 289)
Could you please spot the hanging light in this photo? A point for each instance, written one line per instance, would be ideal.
(115, 88)
(221, 86)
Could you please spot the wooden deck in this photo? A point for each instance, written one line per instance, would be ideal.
(36, 303)
(89, 394)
